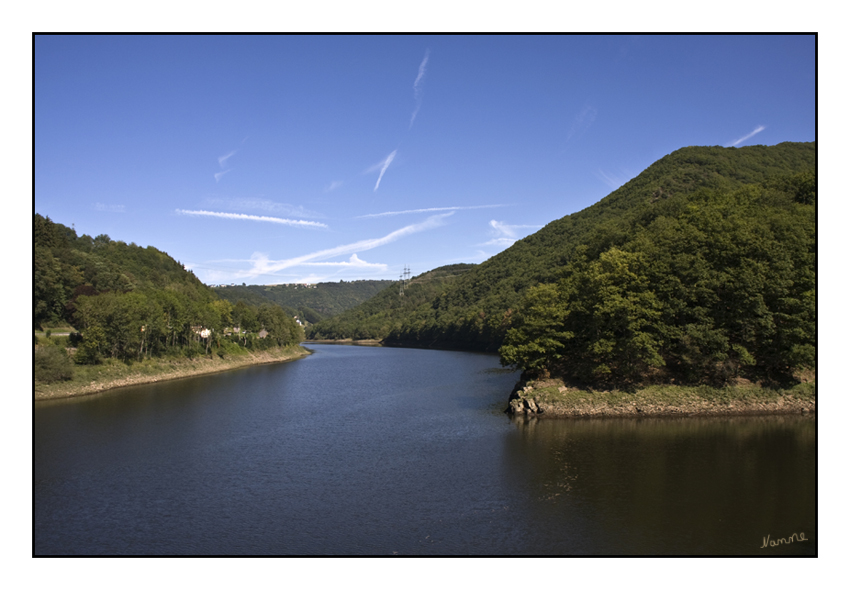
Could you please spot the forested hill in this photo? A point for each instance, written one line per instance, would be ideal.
(386, 311)
(66, 266)
(129, 303)
(474, 312)
(311, 302)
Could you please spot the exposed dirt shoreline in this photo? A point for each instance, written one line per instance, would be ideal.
(164, 370)
(552, 398)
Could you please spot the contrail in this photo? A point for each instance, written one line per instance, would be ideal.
(262, 265)
(384, 168)
(758, 129)
(417, 86)
(295, 222)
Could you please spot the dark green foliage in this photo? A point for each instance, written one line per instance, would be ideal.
(309, 314)
(51, 363)
(281, 329)
(91, 347)
(310, 302)
(66, 266)
(382, 314)
(538, 340)
(721, 285)
(245, 317)
(250, 294)
(130, 302)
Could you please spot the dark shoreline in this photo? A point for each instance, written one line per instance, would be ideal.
(403, 344)
(346, 341)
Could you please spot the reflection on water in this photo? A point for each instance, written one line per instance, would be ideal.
(361, 450)
(676, 485)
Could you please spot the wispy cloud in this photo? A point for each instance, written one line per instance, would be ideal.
(506, 234)
(222, 160)
(108, 208)
(251, 204)
(510, 230)
(334, 185)
(353, 262)
(242, 216)
(500, 242)
(417, 86)
(582, 121)
(758, 129)
(262, 265)
(383, 165)
(221, 271)
(429, 210)
(612, 181)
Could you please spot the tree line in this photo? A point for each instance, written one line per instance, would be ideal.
(311, 303)
(129, 303)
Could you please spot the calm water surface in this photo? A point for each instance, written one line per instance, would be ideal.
(358, 450)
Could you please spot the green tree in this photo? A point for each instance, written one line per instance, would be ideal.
(92, 347)
(623, 315)
(536, 344)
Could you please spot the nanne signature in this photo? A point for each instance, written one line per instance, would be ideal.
(767, 541)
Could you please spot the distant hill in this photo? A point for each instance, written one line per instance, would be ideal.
(386, 311)
(311, 302)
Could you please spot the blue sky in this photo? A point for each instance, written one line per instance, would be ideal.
(303, 159)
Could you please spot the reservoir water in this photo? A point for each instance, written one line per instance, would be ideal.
(383, 451)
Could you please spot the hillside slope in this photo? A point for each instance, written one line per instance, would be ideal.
(474, 311)
(386, 311)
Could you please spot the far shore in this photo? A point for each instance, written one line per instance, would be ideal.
(113, 375)
(552, 398)
(364, 342)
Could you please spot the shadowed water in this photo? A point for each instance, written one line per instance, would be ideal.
(358, 450)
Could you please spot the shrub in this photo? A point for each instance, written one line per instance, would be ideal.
(193, 349)
(52, 364)
(90, 348)
(229, 348)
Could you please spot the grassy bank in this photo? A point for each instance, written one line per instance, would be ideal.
(89, 379)
(552, 397)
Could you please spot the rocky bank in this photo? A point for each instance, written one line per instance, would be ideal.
(553, 398)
